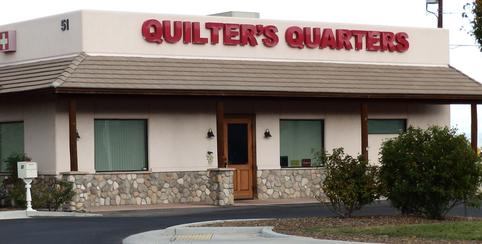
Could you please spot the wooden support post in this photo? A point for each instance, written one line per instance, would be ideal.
(220, 134)
(73, 135)
(364, 130)
(473, 131)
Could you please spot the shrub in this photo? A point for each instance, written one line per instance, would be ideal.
(51, 193)
(428, 172)
(11, 163)
(47, 193)
(14, 187)
(16, 193)
(350, 183)
(3, 194)
(319, 157)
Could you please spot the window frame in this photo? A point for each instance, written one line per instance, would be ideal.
(146, 135)
(405, 125)
(322, 137)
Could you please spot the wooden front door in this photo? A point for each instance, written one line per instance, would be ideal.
(238, 146)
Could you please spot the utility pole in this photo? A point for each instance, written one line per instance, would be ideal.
(440, 12)
(440, 15)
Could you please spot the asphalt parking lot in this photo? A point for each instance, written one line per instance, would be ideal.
(112, 227)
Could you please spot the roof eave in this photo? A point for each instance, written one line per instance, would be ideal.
(438, 98)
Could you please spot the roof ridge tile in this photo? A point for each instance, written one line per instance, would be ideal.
(63, 77)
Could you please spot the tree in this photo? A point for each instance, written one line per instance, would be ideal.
(477, 22)
(428, 172)
(474, 10)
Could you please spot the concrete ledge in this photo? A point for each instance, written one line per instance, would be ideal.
(22, 214)
(74, 173)
(221, 169)
(192, 233)
(15, 214)
(159, 206)
(203, 223)
(283, 201)
(59, 214)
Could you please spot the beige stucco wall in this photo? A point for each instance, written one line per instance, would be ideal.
(38, 116)
(119, 33)
(176, 131)
(177, 127)
(341, 120)
(124, 38)
(342, 126)
(418, 115)
(42, 38)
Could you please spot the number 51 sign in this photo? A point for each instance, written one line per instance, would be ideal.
(64, 25)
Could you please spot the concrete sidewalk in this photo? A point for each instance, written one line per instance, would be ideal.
(191, 233)
(22, 214)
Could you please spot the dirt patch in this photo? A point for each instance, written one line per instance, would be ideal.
(299, 226)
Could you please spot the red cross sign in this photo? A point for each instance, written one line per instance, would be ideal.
(8, 41)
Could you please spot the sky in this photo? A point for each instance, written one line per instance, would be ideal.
(464, 54)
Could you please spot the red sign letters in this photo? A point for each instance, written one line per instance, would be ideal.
(296, 37)
(227, 33)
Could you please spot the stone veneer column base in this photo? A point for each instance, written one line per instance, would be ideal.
(221, 182)
(290, 183)
(213, 186)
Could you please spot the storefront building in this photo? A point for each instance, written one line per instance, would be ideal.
(148, 108)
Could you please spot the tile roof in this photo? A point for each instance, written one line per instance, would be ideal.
(194, 76)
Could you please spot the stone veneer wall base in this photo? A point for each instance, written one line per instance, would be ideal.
(213, 186)
(288, 183)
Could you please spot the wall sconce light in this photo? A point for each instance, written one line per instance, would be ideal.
(210, 133)
(267, 133)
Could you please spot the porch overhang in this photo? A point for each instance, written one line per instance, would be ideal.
(88, 74)
(85, 74)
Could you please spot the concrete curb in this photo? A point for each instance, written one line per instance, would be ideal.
(60, 214)
(260, 234)
(22, 214)
(15, 214)
(200, 224)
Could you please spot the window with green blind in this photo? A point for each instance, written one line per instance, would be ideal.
(11, 141)
(120, 144)
(386, 126)
(299, 139)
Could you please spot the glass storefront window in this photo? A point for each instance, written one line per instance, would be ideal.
(11, 141)
(120, 144)
(299, 140)
(386, 126)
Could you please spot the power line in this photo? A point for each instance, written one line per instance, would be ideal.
(454, 46)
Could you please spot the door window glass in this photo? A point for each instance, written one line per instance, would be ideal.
(237, 143)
